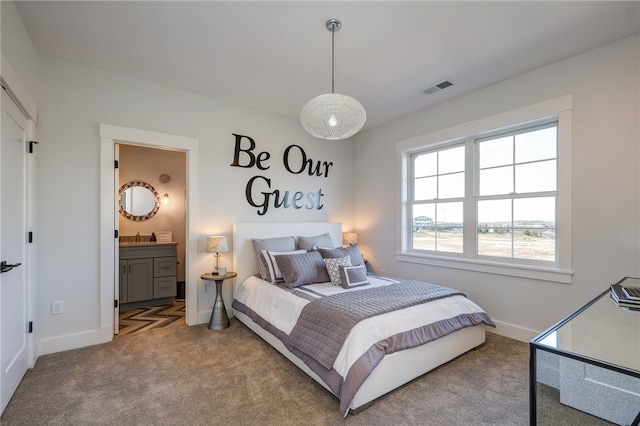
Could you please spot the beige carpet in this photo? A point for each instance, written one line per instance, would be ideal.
(180, 375)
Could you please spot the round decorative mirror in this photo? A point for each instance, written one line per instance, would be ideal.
(138, 201)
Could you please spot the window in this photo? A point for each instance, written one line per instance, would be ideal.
(495, 200)
(438, 194)
(516, 195)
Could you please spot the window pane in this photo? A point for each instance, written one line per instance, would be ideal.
(496, 181)
(534, 177)
(451, 186)
(496, 152)
(494, 213)
(449, 214)
(535, 235)
(494, 242)
(536, 145)
(451, 160)
(494, 228)
(449, 236)
(426, 165)
(425, 188)
(534, 244)
(423, 217)
(534, 212)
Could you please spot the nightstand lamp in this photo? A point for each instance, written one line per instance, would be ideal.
(349, 238)
(218, 244)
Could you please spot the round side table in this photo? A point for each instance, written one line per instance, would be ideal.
(219, 318)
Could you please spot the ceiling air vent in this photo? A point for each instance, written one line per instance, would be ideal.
(437, 87)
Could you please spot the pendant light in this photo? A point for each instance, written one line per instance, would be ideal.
(333, 116)
(165, 178)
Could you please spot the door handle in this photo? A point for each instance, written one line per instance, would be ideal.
(6, 268)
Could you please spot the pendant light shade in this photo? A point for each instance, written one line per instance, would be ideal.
(333, 116)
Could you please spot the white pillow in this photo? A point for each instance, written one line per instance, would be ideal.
(269, 257)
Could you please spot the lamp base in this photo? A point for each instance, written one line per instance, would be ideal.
(219, 318)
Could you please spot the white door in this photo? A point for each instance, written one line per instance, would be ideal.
(13, 240)
(116, 213)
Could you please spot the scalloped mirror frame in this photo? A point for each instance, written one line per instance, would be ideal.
(141, 218)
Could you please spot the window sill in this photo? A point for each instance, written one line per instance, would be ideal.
(520, 271)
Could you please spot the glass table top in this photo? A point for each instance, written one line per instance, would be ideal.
(602, 331)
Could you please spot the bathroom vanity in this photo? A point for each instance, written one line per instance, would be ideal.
(147, 273)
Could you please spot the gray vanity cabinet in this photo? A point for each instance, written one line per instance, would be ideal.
(136, 283)
(164, 277)
(147, 274)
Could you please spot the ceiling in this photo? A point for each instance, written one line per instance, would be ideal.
(276, 55)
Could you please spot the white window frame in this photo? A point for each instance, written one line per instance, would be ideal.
(561, 271)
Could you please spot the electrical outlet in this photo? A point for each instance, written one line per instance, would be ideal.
(56, 307)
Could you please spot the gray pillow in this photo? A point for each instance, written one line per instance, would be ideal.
(271, 244)
(269, 258)
(352, 251)
(303, 268)
(308, 243)
(353, 276)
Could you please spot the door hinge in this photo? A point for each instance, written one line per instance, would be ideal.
(115, 164)
(30, 237)
(30, 326)
(115, 233)
(115, 303)
(31, 143)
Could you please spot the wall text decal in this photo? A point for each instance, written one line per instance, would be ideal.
(295, 161)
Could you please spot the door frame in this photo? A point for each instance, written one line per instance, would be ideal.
(109, 136)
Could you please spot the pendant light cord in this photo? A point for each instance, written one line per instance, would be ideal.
(333, 58)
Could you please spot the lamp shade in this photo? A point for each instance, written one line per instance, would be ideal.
(217, 244)
(333, 116)
(349, 238)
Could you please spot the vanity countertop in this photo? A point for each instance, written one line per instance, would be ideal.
(148, 244)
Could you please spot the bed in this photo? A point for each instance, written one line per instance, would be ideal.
(379, 353)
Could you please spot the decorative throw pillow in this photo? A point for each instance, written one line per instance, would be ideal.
(303, 268)
(308, 243)
(352, 251)
(273, 271)
(353, 276)
(271, 244)
(333, 267)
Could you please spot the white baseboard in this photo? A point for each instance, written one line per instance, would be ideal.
(94, 337)
(513, 331)
(69, 341)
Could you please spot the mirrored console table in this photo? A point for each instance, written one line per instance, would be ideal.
(589, 361)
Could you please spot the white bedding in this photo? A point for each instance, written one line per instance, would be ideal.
(281, 309)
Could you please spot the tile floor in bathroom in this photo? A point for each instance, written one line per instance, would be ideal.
(141, 319)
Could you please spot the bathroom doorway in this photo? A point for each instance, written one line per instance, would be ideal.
(110, 136)
(152, 206)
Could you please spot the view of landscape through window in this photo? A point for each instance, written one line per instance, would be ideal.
(514, 198)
